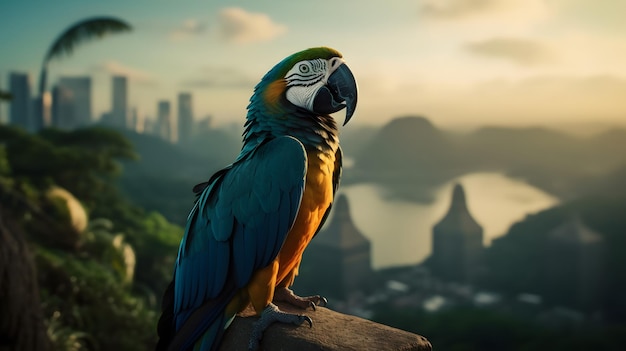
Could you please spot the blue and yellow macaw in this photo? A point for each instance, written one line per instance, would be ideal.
(252, 220)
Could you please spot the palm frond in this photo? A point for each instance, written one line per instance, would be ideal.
(82, 31)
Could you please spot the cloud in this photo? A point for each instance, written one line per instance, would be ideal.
(542, 99)
(535, 100)
(457, 8)
(188, 29)
(606, 15)
(503, 13)
(214, 77)
(112, 67)
(517, 50)
(239, 26)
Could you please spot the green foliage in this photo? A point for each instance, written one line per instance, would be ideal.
(102, 293)
(84, 161)
(5, 168)
(155, 242)
(91, 305)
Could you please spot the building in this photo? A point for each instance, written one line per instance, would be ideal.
(62, 108)
(135, 123)
(457, 243)
(185, 117)
(119, 108)
(164, 120)
(20, 108)
(148, 126)
(575, 265)
(71, 103)
(338, 259)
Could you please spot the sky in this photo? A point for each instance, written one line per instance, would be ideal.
(461, 63)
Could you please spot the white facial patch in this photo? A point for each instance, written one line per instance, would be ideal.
(303, 81)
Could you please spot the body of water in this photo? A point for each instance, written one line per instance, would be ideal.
(401, 231)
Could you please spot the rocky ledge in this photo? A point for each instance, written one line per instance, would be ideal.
(331, 331)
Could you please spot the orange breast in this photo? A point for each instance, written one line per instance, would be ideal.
(318, 194)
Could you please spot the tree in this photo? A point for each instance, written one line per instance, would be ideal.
(83, 161)
(66, 43)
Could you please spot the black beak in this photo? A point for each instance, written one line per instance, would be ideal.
(339, 92)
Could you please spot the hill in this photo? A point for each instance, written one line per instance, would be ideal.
(410, 153)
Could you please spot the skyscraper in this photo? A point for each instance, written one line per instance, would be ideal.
(164, 120)
(71, 103)
(63, 115)
(119, 110)
(185, 117)
(20, 110)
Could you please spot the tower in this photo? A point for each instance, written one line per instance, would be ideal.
(164, 120)
(339, 258)
(119, 108)
(62, 107)
(20, 109)
(457, 242)
(185, 117)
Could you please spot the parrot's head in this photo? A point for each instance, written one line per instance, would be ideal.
(316, 80)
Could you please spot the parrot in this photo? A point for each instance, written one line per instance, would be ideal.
(252, 220)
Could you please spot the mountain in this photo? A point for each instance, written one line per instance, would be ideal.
(496, 146)
(411, 153)
(410, 145)
(607, 148)
(409, 156)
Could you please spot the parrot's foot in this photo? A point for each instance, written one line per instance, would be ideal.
(271, 314)
(283, 294)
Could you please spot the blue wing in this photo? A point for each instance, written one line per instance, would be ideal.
(237, 226)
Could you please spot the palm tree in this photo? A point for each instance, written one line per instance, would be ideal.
(64, 45)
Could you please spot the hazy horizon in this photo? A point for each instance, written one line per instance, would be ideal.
(461, 63)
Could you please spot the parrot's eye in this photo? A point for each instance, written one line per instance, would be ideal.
(304, 68)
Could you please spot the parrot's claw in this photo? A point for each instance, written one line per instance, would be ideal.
(271, 314)
(323, 302)
(284, 294)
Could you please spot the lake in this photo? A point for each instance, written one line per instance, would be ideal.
(401, 231)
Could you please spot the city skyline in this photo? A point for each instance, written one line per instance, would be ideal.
(69, 104)
(459, 62)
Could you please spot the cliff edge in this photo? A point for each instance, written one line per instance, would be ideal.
(331, 331)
